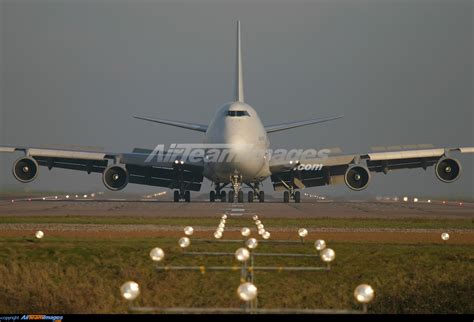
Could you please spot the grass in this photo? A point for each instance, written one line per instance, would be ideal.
(271, 222)
(67, 275)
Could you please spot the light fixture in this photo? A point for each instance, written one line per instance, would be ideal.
(415, 199)
(258, 222)
(39, 234)
(184, 242)
(261, 231)
(319, 244)
(255, 217)
(405, 199)
(364, 293)
(251, 243)
(242, 254)
(224, 217)
(302, 232)
(245, 232)
(260, 226)
(247, 291)
(444, 236)
(217, 235)
(188, 231)
(130, 290)
(266, 235)
(157, 254)
(328, 255)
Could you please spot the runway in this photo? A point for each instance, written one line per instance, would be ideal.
(306, 209)
(105, 218)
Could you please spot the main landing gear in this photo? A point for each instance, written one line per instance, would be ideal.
(237, 194)
(295, 195)
(182, 195)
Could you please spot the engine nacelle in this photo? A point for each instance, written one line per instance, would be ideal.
(115, 177)
(448, 170)
(25, 169)
(357, 177)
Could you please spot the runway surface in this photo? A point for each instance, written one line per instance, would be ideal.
(238, 216)
(306, 209)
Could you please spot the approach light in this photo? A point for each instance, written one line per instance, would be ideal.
(217, 235)
(182, 162)
(266, 235)
(245, 232)
(251, 243)
(220, 230)
(39, 234)
(302, 232)
(224, 217)
(429, 201)
(364, 293)
(157, 254)
(415, 199)
(328, 255)
(176, 161)
(260, 226)
(261, 231)
(188, 231)
(242, 254)
(444, 236)
(221, 225)
(184, 242)
(405, 199)
(67, 196)
(319, 244)
(258, 222)
(247, 291)
(130, 290)
(255, 217)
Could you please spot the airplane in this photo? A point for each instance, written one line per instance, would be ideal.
(238, 125)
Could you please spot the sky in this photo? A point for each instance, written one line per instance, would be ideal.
(73, 73)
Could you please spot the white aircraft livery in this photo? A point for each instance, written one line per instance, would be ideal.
(235, 153)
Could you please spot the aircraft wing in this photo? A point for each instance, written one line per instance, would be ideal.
(344, 168)
(170, 173)
(292, 125)
(183, 125)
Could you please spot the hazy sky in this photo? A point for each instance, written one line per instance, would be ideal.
(73, 72)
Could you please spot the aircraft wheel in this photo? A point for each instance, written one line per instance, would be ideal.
(261, 196)
(212, 196)
(176, 196)
(240, 197)
(250, 196)
(187, 196)
(286, 197)
(223, 196)
(297, 197)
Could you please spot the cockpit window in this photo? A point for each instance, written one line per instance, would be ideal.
(237, 113)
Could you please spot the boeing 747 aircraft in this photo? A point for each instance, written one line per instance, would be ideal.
(238, 126)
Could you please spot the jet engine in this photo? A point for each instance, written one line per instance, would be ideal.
(115, 177)
(357, 177)
(448, 170)
(25, 169)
